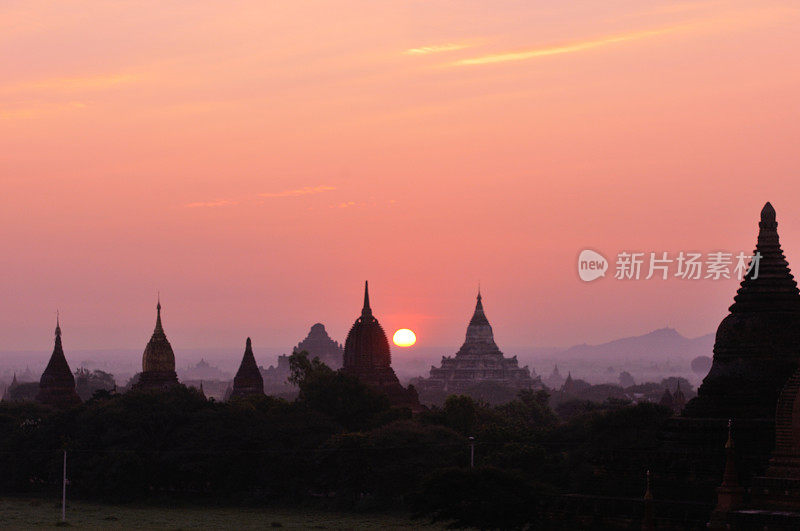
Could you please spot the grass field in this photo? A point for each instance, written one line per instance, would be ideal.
(37, 513)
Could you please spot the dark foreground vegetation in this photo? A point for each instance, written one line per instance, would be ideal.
(339, 444)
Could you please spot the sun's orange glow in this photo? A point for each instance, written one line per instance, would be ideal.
(404, 338)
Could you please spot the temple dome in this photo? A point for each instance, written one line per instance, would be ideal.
(57, 384)
(366, 345)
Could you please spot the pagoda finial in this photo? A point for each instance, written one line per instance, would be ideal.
(58, 325)
(768, 212)
(366, 310)
(159, 327)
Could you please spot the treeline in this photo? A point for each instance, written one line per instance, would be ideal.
(337, 443)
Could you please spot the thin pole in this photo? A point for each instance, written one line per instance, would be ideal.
(64, 491)
(472, 452)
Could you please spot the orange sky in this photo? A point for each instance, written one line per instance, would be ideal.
(257, 161)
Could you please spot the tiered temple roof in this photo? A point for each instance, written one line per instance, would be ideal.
(479, 360)
(57, 385)
(318, 344)
(248, 380)
(367, 357)
(158, 360)
(757, 345)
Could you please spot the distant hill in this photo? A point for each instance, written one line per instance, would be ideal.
(658, 344)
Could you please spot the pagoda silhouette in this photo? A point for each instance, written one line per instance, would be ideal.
(158, 360)
(368, 358)
(479, 360)
(57, 385)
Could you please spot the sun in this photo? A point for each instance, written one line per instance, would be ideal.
(404, 338)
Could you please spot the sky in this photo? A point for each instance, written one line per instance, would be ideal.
(255, 162)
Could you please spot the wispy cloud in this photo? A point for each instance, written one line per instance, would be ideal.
(211, 204)
(556, 50)
(306, 190)
(438, 48)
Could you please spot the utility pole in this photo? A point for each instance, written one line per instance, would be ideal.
(471, 453)
(64, 490)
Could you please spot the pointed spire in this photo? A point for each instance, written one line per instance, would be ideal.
(770, 286)
(248, 380)
(768, 213)
(366, 311)
(479, 316)
(730, 493)
(14, 382)
(58, 347)
(159, 327)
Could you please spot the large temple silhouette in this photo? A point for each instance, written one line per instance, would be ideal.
(756, 354)
(368, 358)
(318, 344)
(478, 360)
(158, 360)
(757, 345)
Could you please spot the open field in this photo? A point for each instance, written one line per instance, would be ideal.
(38, 513)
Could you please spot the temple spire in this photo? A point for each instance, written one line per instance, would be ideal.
(58, 347)
(730, 493)
(770, 286)
(159, 328)
(366, 310)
